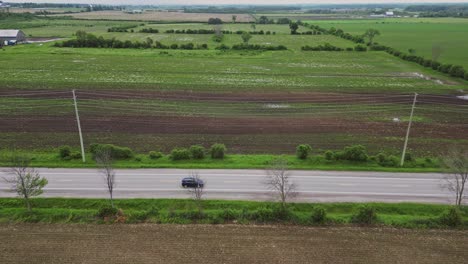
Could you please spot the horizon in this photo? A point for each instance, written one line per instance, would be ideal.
(240, 2)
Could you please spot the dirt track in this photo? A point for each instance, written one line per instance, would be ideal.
(226, 244)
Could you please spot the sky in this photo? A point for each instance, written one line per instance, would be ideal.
(240, 2)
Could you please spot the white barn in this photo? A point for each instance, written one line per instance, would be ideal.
(11, 36)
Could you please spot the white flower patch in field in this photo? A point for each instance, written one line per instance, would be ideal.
(78, 61)
(184, 39)
(260, 68)
(276, 106)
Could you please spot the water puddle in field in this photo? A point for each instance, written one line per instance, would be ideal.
(463, 97)
(276, 106)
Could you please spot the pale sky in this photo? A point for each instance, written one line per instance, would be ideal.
(239, 2)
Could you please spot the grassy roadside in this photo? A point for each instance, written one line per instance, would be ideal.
(181, 211)
(141, 161)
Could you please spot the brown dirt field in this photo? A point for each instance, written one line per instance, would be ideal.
(64, 244)
(226, 126)
(267, 97)
(161, 16)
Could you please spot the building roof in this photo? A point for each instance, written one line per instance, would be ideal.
(9, 33)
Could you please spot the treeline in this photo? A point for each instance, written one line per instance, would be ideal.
(245, 46)
(279, 21)
(121, 28)
(440, 10)
(336, 32)
(87, 40)
(239, 10)
(452, 70)
(212, 31)
(329, 47)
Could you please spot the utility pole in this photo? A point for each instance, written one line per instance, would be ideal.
(408, 131)
(79, 127)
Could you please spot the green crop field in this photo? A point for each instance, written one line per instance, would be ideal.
(255, 102)
(420, 34)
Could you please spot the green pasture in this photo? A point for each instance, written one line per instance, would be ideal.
(420, 34)
(41, 66)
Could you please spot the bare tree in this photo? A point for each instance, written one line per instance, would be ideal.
(436, 52)
(24, 180)
(457, 177)
(198, 190)
(106, 164)
(279, 181)
(234, 19)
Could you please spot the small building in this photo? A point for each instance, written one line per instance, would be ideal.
(389, 13)
(11, 37)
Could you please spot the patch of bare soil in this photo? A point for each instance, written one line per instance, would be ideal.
(226, 244)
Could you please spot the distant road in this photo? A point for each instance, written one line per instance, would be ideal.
(313, 186)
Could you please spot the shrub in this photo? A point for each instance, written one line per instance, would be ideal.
(390, 161)
(408, 156)
(360, 48)
(76, 155)
(106, 211)
(180, 154)
(466, 76)
(115, 151)
(365, 215)
(218, 151)
(452, 217)
(355, 153)
(197, 152)
(319, 215)
(64, 152)
(303, 151)
(457, 71)
(155, 155)
(329, 155)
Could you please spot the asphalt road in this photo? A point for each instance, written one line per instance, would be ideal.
(314, 186)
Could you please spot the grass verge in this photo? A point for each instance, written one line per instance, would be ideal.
(318, 162)
(181, 211)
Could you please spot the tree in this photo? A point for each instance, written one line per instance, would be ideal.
(234, 19)
(371, 34)
(303, 151)
(294, 27)
(279, 181)
(457, 176)
(198, 191)
(263, 20)
(254, 27)
(246, 37)
(104, 161)
(24, 180)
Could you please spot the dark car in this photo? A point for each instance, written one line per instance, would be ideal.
(192, 183)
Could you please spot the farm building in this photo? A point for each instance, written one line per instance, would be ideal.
(11, 37)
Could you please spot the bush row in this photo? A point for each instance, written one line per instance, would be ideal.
(212, 31)
(121, 29)
(244, 46)
(365, 214)
(197, 152)
(85, 40)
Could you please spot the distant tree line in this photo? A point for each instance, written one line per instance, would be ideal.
(212, 31)
(279, 21)
(329, 47)
(239, 10)
(121, 28)
(446, 10)
(255, 47)
(87, 40)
